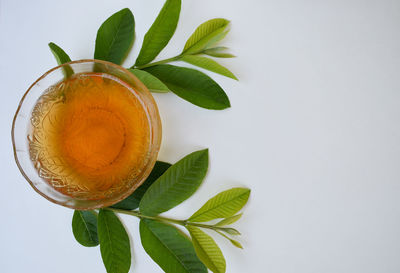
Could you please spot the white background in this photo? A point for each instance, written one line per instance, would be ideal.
(313, 130)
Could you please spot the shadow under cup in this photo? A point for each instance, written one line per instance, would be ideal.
(22, 130)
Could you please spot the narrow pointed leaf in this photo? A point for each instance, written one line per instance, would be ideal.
(151, 82)
(84, 227)
(191, 85)
(61, 58)
(133, 200)
(206, 35)
(114, 243)
(230, 231)
(224, 204)
(236, 243)
(233, 242)
(177, 184)
(207, 250)
(208, 64)
(229, 220)
(219, 52)
(115, 37)
(169, 248)
(160, 32)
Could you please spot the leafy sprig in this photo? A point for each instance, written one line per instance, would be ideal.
(115, 38)
(167, 185)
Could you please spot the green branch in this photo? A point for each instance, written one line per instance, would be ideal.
(173, 59)
(165, 219)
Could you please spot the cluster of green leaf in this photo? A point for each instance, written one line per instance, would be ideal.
(166, 187)
(115, 38)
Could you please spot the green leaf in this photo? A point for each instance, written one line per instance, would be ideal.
(236, 243)
(233, 242)
(207, 250)
(191, 85)
(177, 184)
(160, 32)
(169, 248)
(229, 220)
(224, 204)
(84, 227)
(114, 243)
(218, 52)
(230, 231)
(115, 37)
(133, 200)
(206, 35)
(208, 64)
(151, 82)
(61, 58)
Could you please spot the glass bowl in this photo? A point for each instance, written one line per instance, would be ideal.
(22, 130)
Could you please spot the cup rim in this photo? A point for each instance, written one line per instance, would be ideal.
(125, 194)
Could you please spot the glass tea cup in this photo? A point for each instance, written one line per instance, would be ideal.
(56, 189)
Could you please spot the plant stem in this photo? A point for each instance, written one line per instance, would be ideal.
(223, 235)
(141, 216)
(176, 58)
(164, 219)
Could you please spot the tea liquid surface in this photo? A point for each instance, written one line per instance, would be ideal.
(90, 135)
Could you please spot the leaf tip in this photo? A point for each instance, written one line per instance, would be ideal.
(204, 152)
(237, 244)
(126, 10)
(226, 21)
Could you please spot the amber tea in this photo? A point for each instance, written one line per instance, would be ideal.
(90, 136)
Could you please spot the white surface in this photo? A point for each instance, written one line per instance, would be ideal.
(313, 131)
